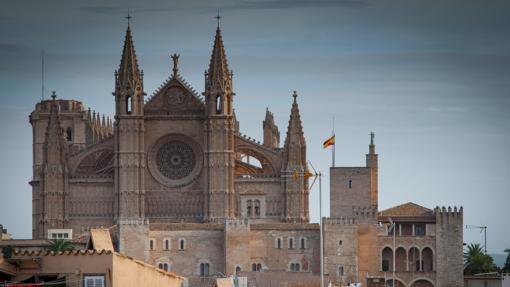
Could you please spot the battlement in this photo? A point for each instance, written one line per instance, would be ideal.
(339, 221)
(65, 106)
(364, 212)
(448, 215)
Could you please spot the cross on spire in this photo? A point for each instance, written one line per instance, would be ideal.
(128, 17)
(218, 17)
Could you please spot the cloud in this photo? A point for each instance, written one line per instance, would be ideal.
(14, 48)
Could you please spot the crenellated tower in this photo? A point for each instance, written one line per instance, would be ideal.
(294, 169)
(372, 165)
(271, 132)
(129, 135)
(220, 128)
(54, 175)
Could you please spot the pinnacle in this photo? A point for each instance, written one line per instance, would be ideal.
(128, 72)
(218, 69)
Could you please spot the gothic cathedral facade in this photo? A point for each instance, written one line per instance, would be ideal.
(188, 192)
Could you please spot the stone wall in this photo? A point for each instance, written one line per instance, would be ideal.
(349, 187)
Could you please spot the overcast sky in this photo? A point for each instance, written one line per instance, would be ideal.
(430, 78)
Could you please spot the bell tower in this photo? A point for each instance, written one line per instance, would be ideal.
(220, 128)
(129, 135)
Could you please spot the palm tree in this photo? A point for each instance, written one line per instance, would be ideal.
(506, 267)
(476, 261)
(60, 245)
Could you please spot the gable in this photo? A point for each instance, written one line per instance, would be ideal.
(174, 98)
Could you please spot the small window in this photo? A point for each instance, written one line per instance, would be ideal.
(166, 244)
(218, 104)
(69, 134)
(257, 208)
(151, 244)
(93, 281)
(182, 244)
(419, 229)
(303, 243)
(350, 183)
(295, 267)
(204, 269)
(278, 243)
(164, 266)
(291, 243)
(340, 271)
(249, 206)
(238, 269)
(340, 242)
(129, 107)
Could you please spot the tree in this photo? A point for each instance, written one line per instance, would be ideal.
(60, 245)
(506, 267)
(476, 261)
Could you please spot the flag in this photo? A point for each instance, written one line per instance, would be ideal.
(328, 142)
(308, 174)
(295, 175)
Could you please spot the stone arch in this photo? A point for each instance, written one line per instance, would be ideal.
(421, 282)
(266, 166)
(386, 259)
(427, 257)
(400, 259)
(95, 162)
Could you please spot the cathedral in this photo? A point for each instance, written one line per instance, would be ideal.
(186, 191)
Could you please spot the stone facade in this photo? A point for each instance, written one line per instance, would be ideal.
(188, 192)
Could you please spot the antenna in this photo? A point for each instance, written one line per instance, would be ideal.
(482, 229)
(42, 75)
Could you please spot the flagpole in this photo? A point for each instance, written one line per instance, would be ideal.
(321, 230)
(334, 144)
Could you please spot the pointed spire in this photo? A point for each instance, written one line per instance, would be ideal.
(295, 145)
(54, 140)
(128, 74)
(218, 74)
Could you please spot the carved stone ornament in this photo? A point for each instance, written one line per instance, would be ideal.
(175, 160)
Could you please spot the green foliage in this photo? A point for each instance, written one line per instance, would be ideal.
(506, 267)
(7, 251)
(60, 245)
(476, 261)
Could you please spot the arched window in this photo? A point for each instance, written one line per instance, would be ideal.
(278, 243)
(238, 269)
(291, 243)
(129, 105)
(151, 244)
(257, 208)
(164, 266)
(303, 243)
(350, 183)
(204, 269)
(295, 267)
(386, 259)
(166, 244)
(182, 244)
(340, 242)
(218, 104)
(69, 134)
(249, 207)
(255, 267)
(428, 260)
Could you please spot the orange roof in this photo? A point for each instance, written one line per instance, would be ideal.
(407, 210)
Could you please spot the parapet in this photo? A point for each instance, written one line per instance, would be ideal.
(448, 215)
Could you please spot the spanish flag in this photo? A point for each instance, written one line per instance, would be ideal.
(328, 142)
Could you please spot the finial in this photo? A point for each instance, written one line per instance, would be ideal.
(372, 134)
(294, 94)
(218, 17)
(128, 17)
(53, 95)
(175, 58)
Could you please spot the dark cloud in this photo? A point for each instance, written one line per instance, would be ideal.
(14, 48)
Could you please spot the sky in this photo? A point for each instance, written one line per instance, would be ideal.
(430, 78)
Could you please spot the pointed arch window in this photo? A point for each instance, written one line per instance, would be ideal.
(129, 104)
(257, 208)
(218, 104)
(249, 207)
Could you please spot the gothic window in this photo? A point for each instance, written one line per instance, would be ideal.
(164, 266)
(129, 107)
(302, 243)
(350, 183)
(295, 267)
(385, 265)
(340, 242)
(204, 269)
(182, 244)
(166, 244)
(151, 244)
(257, 208)
(238, 269)
(249, 206)
(291, 243)
(218, 104)
(340, 271)
(69, 134)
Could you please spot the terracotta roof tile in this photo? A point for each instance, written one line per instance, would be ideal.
(407, 210)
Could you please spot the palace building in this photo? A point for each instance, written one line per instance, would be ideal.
(188, 192)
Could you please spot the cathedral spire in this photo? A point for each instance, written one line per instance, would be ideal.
(295, 145)
(218, 76)
(54, 140)
(128, 75)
